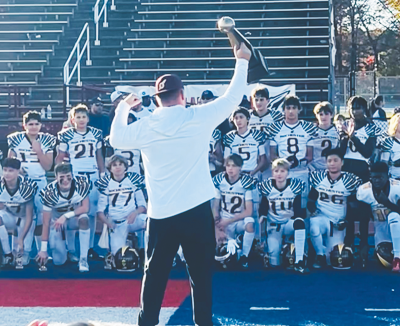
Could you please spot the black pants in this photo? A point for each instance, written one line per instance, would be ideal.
(194, 230)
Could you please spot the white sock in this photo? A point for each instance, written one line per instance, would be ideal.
(38, 241)
(14, 242)
(395, 234)
(299, 241)
(92, 227)
(247, 242)
(70, 235)
(84, 240)
(4, 240)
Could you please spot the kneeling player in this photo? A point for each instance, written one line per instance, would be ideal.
(65, 207)
(122, 196)
(16, 203)
(233, 204)
(281, 206)
(382, 194)
(332, 191)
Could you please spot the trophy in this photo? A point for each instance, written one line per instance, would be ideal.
(258, 68)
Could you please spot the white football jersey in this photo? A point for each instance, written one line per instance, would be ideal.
(391, 152)
(81, 148)
(53, 201)
(21, 145)
(323, 141)
(15, 203)
(363, 134)
(292, 140)
(249, 146)
(332, 194)
(215, 138)
(132, 156)
(365, 194)
(261, 123)
(144, 113)
(121, 198)
(233, 196)
(281, 201)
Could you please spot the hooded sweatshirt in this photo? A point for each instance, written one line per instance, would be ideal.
(174, 142)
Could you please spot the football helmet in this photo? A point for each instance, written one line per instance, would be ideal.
(224, 257)
(384, 252)
(126, 259)
(341, 257)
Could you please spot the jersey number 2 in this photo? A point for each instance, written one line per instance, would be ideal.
(81, 150)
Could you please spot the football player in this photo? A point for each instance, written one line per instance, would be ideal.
(291, 140)
(390, 147)
(35, 151)
(83, 146)
(246, 142)
(331, 193)
(327, 135)
(233, 204)
(65, 207)
(281, 207)
(16, 202)
(139, 111)
(215, 156)
(382, 195)
(122, 200)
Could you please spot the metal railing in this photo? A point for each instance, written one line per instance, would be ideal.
(98, 15)
(77, 66)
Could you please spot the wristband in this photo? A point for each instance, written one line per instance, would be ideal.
(43, 246)
(69, 215)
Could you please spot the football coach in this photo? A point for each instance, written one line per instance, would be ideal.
(174, 142)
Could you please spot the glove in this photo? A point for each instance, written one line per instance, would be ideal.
(231, 247)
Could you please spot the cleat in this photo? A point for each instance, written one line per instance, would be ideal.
(72, 257)
(301, 268)
(320, 261)
(396, 265)
(109, 261)
(83, 265)
(8, 259)
(19, 261)
(93, 255)
(244, 262)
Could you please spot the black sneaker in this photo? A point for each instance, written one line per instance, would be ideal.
(8, 259)
(301, 268)
(320, 261)
(244, 262)
(93, 255)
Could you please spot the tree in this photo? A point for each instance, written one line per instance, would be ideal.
(394, 4)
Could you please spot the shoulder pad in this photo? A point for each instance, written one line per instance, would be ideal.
(216, 135)
(15, 139)
(309, 128)
(229, 137)
(273, 129)
(351, 181)
(259, 136)
(248, 182)
(83, 186)
(137, 180)
(387, 144)
(218, 179)
(372, 130)
(97, 133)
(49, 195)
(27, 188)
(277, 115)
(64, 136)
(265, 187)
(297, 186)
(48, 140)
(316, 177)
(102, 184)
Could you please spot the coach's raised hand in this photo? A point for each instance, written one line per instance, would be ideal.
(243, 52)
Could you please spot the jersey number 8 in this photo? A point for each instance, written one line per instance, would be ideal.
(293, 146)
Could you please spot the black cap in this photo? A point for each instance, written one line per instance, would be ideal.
(96, 100)
(168, 83)
(207, 95)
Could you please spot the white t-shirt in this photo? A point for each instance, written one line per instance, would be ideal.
(174, 142)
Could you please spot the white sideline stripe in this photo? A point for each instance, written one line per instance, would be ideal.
(269, 308)
(379, 309)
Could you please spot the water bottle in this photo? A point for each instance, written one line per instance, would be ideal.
(49, 116)
(43, 113)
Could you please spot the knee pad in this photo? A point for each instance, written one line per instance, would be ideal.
(299, 224)
(393, 218)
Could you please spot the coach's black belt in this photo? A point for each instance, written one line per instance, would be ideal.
(119, 222)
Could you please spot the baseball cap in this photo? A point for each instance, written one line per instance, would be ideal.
(126, 89)
(144, 92)
(207, 95)
(115, 95)
(96, 100)
(168, 83)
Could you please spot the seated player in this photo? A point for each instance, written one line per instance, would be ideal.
(292, 140)
(215, 155)
(65, 207)
(327, 136)
(331, 193)
(35, 151)
(281, 207)
(83, 146)
(233, 204)
(16, 203)
(122, 200)
(132, 156)
(390, 147)
(382, 195)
